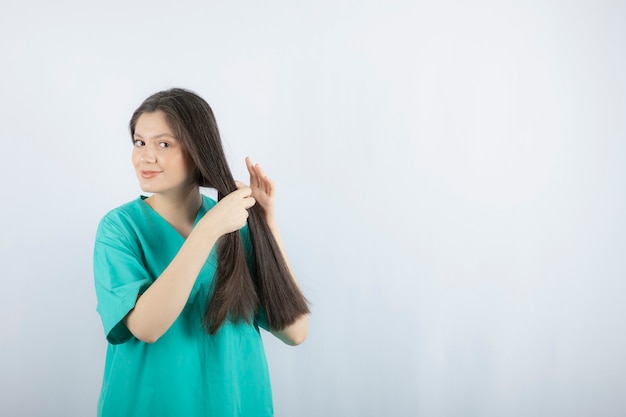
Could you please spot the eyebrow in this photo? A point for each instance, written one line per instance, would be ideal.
(162, 135)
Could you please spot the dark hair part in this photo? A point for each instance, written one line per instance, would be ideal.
(237, 294)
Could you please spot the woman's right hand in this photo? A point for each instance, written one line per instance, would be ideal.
(230, 213)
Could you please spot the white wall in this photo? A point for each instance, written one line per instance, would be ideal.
(452, 192)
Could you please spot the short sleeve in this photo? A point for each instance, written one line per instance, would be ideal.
(120, 277)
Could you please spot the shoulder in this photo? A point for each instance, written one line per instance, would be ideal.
(120, 220)
(208, 202)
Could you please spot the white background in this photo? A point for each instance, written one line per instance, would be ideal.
(451, 191)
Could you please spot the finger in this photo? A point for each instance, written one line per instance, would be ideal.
(240, 184)
(260, 175)
(254, 179)
(249, 166)
(249, 202)
(269, 186)
(243, 192)
(259, 171)
(265, 182)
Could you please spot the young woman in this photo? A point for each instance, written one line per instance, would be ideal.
(183, 282)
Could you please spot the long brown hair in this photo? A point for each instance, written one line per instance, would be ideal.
(237, 294)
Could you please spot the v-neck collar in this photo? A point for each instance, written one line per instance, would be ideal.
(201, 211)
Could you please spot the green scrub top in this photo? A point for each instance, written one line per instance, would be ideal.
(186, 372)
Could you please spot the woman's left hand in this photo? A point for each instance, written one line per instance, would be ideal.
(262, 187)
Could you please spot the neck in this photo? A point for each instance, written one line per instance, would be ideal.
(179, 206)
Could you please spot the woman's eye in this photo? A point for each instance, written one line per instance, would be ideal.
(164, 145)
(138, 143)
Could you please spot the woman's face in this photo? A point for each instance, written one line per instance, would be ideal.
(158, 157)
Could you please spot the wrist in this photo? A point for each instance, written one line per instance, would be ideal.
(208, 228)
(270, 219)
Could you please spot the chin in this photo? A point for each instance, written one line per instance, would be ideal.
(147, 188)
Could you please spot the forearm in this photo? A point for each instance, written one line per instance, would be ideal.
(161, 304)
(295, 333)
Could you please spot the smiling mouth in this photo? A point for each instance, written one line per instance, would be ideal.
(149, 174)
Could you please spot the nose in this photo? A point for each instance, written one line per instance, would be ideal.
(147, 155)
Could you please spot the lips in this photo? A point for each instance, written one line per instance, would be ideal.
(149, 174)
